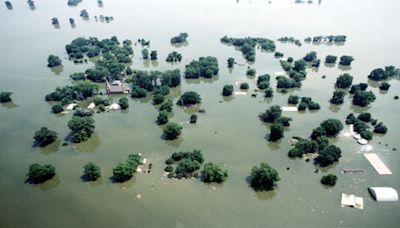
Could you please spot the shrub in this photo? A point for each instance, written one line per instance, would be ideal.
(380, 128)
(45, 136)
(329, 179)
(193, 118)
(329, 155)
(244, 86)
(91, 172)
(332, 126)
(214, 173)
(189, 98)
(293, 99)
(5, 97)
(172, 131)
(40, 173)
(263, 177)
(227, 90)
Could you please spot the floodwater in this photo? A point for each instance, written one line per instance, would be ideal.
(229, 133)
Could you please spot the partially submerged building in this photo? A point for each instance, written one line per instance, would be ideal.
(384, 193)
(117, 87)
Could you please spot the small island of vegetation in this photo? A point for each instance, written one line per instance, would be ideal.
(40, 173)
(263, 177)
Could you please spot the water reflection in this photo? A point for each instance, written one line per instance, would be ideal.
(334, 108)
(329, 65)
(89, 145)
(9, 105)
(265, 195)
(173, 143)
(359, 109)
(49, 184)
(146, 63)
(344, 68)
(178, 45)
(57, 70)
(126, 184)
(154, 63)
(373, 84)
(201, 79)
(228, 98)
(51, 148)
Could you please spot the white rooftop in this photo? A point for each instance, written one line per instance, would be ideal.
(384, 193)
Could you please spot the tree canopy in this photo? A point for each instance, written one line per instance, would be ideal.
(5, 97)
(214, 173)
(53, 61)
(329, 155)
(189, 98)
(91, 172)
(172, 131)
(81, 128)
(206, 67)
(263, 177)
(124, 170)
(344, 81)
(44, 136)
(40, 173)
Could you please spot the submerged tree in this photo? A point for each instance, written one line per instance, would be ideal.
(53, 61)
(346, 60)
(172, 131)
(91, 172)
(5, 97)
(40, 173)
(214, 173)
(263, 177)
(44, 136)
(227, 90)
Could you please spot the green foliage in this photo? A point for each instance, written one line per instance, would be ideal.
(231, 62)
(162, 117)
(145, 53)
(174, 57)
(181, 38)
(337, 97)
(313, 106)
(188, 163)
(365, 116)
(189, 98)
(169, 161)
(299, 65)
(214, 173)
(101, 101)
(79, 91)
(138, 92)
(269, 93)
(287, 83)
(263, 81)
(78, 76)
(169, 169)
(310, 57)
(40, 173)
(53, 61)
(44, 136)
(171, 78)
(167, 106)
(124, 103)
(153, 55)
(81, 127)
(350, 119)
(247, 45)
(5, 97)
(367, 135)
(380, 74)
(329, 155)
(303, 147)
(358, 87)
(344, 81)
(124, 170)
(251, 72)
(302, 106)
(332, 127)
(286, 65)
(329, 179)
(380, 128)
(172, 131)
(82, 112)
(278, 54)
(263, 177)
(384, 86)
(204, 67)
(272, 114)
(227, 90)
(193, 118)
(293, 99)
(244, 85)
(277, 132)
(330, 59)
(346, 60)
(363, 98)
(91, 172)
(158, 99)
(57, 108)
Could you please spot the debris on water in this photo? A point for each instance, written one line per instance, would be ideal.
(138, 196)
(287, 168)
(316, 170)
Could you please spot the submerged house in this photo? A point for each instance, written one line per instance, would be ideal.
(117, 87)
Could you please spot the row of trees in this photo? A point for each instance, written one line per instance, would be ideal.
(248, 45)
(303, 103)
